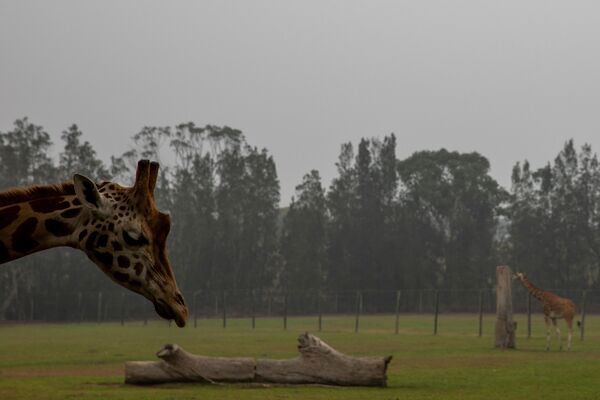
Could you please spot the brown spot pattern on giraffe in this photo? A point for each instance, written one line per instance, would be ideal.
(102, 241)
(90, 242)
(58, 228)
(8, 215)
(48, 205)
(21, 238)
(104, 258)
(138, 268)
(123, 262)
(135, 282)
(71, 213)
(121, 277)
(3, 253)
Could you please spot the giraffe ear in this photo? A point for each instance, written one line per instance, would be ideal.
(152, 177)
(87, 192)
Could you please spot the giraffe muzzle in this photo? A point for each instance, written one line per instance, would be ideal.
(168, 313)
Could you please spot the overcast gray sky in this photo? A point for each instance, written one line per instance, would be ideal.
(509, 79)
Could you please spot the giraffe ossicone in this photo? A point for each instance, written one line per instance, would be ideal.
(119, 228)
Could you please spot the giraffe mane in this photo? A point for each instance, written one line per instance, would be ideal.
(19, 195)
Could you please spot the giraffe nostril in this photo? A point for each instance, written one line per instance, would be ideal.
(179, 299)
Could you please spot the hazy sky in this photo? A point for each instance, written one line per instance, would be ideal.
(509, 79)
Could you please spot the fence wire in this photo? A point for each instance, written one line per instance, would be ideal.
(124, 306)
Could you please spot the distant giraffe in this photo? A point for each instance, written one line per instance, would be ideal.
(554, 307)
(120, 229)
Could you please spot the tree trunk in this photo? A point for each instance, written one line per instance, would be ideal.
(505, 327)
(10, 296)
(318, 363)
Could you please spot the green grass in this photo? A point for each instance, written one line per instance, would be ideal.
(85, 361)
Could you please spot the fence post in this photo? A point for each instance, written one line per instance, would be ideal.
(337, 304)
(80, 306)
(216, 305)
(253, 309)
(224, 307)
(56, 307)
(31, 309)
(122, 309)
(480, 313)
(99, 317)
(269, 304)
(421, 301)
(44, 311)
(528, 315)
(145, 315)
(319, 294)
(195, 307)
(437, 309)
(358, 309)
(285, 311)
(583, 313)
(398, 294)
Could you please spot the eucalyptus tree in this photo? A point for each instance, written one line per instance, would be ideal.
(193, 180)
(78, 157)
(260, 215)
(588, 185)
(65, 266)
(303, 243)
(229, 208)
(554, 219)
(362, 201)
(24, 161)
(341, 201)
(528, 220)
(455, 200)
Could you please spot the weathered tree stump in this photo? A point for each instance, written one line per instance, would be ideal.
(318, 363)
(505, 326)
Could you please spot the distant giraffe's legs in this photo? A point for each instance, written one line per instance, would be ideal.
(570, 334)
(556, 328)
(547, 321)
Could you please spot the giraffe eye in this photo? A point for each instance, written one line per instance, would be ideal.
(134, 238)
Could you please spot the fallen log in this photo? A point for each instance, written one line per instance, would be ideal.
(318, 363)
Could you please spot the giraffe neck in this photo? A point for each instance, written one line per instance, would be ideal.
(38, 218)
(535, 291)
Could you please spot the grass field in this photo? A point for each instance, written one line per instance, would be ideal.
(85, 361)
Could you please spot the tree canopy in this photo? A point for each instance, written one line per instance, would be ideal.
(435, 220)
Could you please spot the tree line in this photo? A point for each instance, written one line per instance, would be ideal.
(435, 220)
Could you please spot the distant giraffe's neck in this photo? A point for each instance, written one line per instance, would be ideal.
(535, 291)
(36, 219)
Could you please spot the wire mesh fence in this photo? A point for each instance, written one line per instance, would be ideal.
(125, 307)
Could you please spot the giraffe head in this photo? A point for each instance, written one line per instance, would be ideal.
(124, 233)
